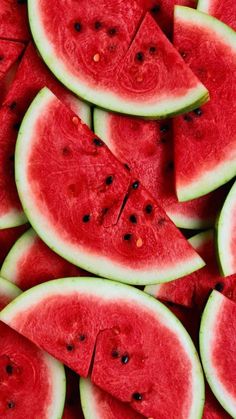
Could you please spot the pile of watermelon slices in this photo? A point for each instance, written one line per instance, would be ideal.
(117, 209)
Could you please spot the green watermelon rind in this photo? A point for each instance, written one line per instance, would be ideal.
(224, 233)
(99, 265)
(217, 176)
(111, 290)
(195, 241)
(104, 99)
(21, 246)
(87, 400)
(209, 319)
(12, 218)
(180, 220)
(8, 289)
(204, 5)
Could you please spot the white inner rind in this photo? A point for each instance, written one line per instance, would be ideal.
(8, 289)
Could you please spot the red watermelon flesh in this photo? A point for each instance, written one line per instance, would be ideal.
(147, 148)
(212, 408)
(6, 81)
(14, 20)
(222, 10)
(30, 262)
(121, 232)
(72, 409)
(7, 238)
(193, 290)
(205, 140)
(31, 76)
(9, 53)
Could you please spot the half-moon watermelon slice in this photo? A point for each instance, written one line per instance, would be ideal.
(222, 10)
(112, 330)
(88, 208)
(218, 349)
(205, 140)
(147, 147)
(103, 54)
(98, 404)
(14, 20)
(32, 383)
(226, 234)
(31, 76)
(30, 262)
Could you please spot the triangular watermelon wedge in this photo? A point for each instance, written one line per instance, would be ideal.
(9, 53)
(88, 208)
(122, 66)
(14, 20)
(222, 10)
(205, 140)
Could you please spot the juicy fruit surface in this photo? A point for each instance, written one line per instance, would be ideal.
(102, 205)
(31, 76)
(201, 163)
(217, 347)
(31, 262)
(222, 10)
(147, 148)
(9, 53)
(13, 20)
(96, 402)
(116, 67)
(97, 324)
(7, 238)
(193, 290)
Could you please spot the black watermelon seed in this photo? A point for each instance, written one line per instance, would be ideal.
(65, 151)
(137, 396)
(115, 354)
(198, 112)
(219, 286)
(112, 31)
(9, 369)
(156, 8)
(97, 142)
(125, 359)
(10, 404)
(135, 185)
(86, 218)
(127, 167)
(127, 236)
(109, 180)
(152, 50)
(148, 209)
(164, 128)
(77, 26)
(187, 118)
(133, 219)
(70, 347)
(97, 25)
(82, 338)
(12, 105)
(139, 56)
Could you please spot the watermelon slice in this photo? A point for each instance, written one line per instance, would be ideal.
(205, 140)
(194, 289)
(218, 349)
(31, 76)
(30, 262)
(147, 148)
(7, 238)
(109, 60)
(32, 384)
(103, 220)
(115, 327)
(9, 53)
(13, 20)
(226, 237)
(98, 404)
(222, 10)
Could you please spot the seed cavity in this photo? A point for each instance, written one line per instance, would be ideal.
(115, 354)
(10, 404)
(139, 56)
(66, 151)
(148, 209)
(82, 338)
(127, 236)
(86, 218)
(161, 221)
(109, 180)
(9, 369)
(1, 57)
(125, 359)
(183, 54)
(152, 50)
(139, 242)
(137, 396)
(219, 286)
(97, 25)
(112, 31)
(96, 58)
(126, 166)
(198, 112)
(133, 219)
(164, 128)
(97, 142)
(12, 106)
(70, 347)
(135, 184)
(188, 118)
(77, 26)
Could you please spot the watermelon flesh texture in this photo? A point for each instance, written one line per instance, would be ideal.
(147, 148)
(9, 53)
(6, 81)
(97, 403)
(14, 20)
(202, 164)
(30, 262)
(224, 11)
(193, 290)
(7, 238)
(101, 205)
(31, 76)
(103, 318)
(72, 409)
(111, 60)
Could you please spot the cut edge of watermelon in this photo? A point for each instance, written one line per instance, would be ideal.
(12, 218)
(194, 98)
(87, 400)
(209, 319)
(223, 233)
(9, 289)
(101, 264)
(204, 5)
(9, 266)
(111, 290)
